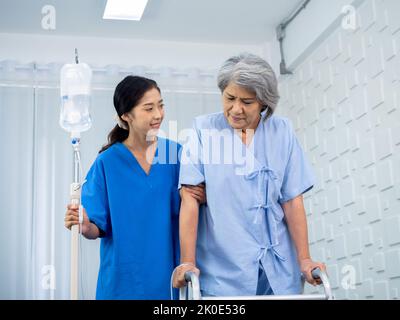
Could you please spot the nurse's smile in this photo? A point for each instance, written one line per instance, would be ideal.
(156, 125)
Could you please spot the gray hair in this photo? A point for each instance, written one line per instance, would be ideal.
(252, 73)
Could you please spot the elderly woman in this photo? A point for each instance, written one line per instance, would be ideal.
(251, 236)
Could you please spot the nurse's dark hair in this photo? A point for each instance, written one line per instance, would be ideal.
(126, 97)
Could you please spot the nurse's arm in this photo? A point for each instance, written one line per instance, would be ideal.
(188, 220)
(295, 216)
(92, 232)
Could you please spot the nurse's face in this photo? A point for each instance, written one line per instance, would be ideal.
(146, 117)
(241, 107)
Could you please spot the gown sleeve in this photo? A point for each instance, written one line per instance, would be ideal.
(95, 199)
(192, 169)
(298, 176)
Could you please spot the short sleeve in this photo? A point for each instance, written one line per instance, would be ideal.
(95, 199)
(192, 169)
(298, 174)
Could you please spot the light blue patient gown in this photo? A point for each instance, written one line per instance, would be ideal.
(138, 214)
(241, 229)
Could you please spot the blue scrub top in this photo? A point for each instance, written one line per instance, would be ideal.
(139, 215)
(242, 225)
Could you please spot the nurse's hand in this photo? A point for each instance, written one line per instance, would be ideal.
(178, 280)
(197, 192)
(307, 266)
(72, 218)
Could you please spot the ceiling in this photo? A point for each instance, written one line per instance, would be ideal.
(213, 21)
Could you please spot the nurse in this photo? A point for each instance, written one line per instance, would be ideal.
(251, 237)
(131, 198)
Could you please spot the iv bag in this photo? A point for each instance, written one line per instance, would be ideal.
(75, 90)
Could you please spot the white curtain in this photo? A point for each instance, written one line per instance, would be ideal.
(36, 167)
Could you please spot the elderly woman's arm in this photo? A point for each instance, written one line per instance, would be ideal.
(295, 216)
(188, 220)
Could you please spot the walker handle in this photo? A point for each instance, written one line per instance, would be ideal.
(317, 273)
(188, 276)
(192, 290)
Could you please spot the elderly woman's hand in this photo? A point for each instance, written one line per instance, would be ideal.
(307, 266)
(178, 280)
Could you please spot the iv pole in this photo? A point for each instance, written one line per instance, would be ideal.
(75, 118)
(75, 197)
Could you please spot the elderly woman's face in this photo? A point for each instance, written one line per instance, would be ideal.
(241, 107)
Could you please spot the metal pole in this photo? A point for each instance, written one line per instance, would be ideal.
(75, 194)
(281, 34)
